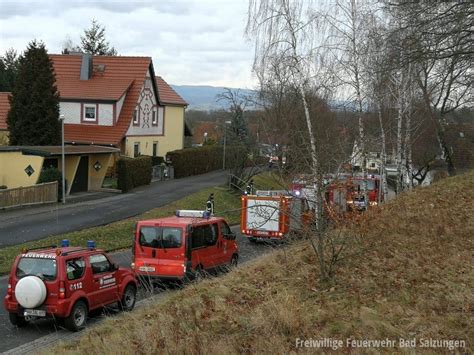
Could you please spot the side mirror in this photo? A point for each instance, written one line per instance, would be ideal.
(115, 266)
(230, 236)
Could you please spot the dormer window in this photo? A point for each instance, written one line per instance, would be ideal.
(89, 113)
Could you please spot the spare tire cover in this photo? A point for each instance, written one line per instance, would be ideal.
(30, 292)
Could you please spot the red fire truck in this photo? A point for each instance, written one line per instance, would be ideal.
(346, 193)
(271, 215)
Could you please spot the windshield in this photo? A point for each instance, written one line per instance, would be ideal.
(43, 268)
(160, 237)
(370, 184)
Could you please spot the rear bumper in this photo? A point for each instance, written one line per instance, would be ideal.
(60, 309)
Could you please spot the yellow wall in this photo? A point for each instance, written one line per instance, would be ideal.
(173, 138)
(3, 137)
(71, 162)
(12, 169)
(96, 178)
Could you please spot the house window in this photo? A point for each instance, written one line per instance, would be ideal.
(90, 113)
(136, 149)
(155, 149)
(154, 120)
(135, 118)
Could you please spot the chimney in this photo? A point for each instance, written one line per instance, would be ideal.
(86, 66)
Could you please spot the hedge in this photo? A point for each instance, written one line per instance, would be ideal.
(195, 161)
(133, 172)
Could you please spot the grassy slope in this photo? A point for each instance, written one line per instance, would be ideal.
(414, 280)
(117, 235)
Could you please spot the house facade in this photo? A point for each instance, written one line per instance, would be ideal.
(118, 101)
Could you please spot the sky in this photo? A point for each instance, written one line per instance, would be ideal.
(192, 42)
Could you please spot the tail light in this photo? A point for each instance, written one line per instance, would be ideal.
(10, 287)
(62, 290)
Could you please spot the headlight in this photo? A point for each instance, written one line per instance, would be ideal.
(373, 203)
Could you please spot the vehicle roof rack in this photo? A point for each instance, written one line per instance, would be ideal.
(272, 193)
(66, 253)
(26, 250)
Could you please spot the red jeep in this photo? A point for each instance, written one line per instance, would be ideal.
(183, 246)
(66, 283)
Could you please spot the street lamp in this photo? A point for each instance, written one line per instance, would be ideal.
(225, 137)
(63, 171)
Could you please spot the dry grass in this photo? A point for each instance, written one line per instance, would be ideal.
(414, 279)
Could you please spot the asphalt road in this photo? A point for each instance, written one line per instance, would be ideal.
(12, 337)
(19, 226)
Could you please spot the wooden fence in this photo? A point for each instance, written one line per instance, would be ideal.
(30, 195)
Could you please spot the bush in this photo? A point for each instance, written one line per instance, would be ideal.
(52, 174)
(3, 187)
(133, 172)
(195, 161)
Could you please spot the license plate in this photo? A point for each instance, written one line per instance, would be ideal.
(34, 312)
(146, 268)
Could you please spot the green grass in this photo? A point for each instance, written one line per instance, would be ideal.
(118, 235)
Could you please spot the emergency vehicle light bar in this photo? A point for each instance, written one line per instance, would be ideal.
(192, 213)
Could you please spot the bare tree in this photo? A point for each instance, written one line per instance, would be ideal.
(284, 37)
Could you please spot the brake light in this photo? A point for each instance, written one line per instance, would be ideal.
(62, 290)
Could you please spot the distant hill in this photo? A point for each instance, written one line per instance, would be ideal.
(204, 98)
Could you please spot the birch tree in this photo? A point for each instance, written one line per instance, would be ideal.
(285, 37)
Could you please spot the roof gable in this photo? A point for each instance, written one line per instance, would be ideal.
(167, 95)
(119, 75)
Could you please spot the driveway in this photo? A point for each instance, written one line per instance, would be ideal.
(19, 226)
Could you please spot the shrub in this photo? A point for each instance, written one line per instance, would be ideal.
(3, 187)
(51, 174)
(195, 161)
(133, 172)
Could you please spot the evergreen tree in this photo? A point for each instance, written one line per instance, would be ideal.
(8, 70)
(33, 117)
(94, 42)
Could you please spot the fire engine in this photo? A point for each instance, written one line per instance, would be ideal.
(271, 215)
(346, 193)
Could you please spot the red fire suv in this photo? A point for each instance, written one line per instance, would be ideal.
(66, 283)
(183, 246)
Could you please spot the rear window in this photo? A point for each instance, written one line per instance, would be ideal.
(161, 237)
(41, 267)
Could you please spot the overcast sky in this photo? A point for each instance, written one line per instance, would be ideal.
(194, 42)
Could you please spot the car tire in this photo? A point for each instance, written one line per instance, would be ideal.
(234, 261)
(18, 320)
(129, 298)
(198, 273)
(77, 318)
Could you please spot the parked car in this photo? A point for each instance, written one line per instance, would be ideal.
(182, 247)
(66, 283)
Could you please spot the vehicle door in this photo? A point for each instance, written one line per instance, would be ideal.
(104, 283)
(75, 276)
(204, 246)
(162, 250)
(225, 244)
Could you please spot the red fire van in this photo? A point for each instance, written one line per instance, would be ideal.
(182, 246)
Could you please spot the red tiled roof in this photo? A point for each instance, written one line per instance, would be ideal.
(120, 73)
(167, 95)
(4, 108)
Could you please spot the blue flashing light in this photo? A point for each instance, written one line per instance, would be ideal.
(90, 244)
(64, 243)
